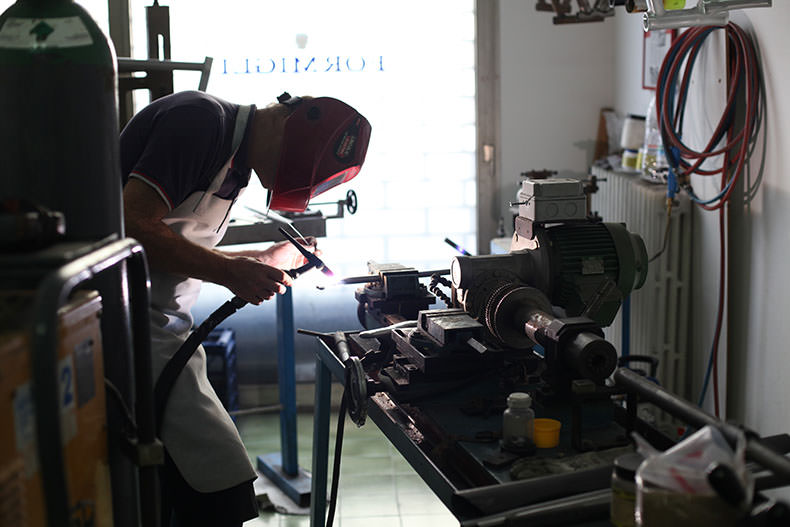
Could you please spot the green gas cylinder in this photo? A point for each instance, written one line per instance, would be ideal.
(59, 116)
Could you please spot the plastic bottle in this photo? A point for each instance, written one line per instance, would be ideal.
(651, 155)
(518, 420)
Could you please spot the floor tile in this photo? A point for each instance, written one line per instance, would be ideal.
(289, 520)
(426, 503)
(373, 466)
(377, 486)
(264, 519)
(410, 483)
(362, 506)
(383, 521)
(427, 520)
(356, 484)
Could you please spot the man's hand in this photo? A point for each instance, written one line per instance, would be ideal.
(282, 255)
(248, 278)
(253, 280)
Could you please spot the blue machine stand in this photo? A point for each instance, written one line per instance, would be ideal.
(282, 468)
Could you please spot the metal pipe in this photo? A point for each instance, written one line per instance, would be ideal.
(378, 332)
(651, 392)
(685, 18)
(129, 65)
(140, 302)
(573, 510)
(717, 6)
(367, 279)
(272, 408)
(538, 320)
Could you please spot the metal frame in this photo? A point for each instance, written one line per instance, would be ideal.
(53, 292)
(126, 65)
(488, 100)
(499, 503)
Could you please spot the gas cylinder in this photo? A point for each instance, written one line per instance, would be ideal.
(59, 116)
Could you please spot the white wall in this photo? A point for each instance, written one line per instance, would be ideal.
(760, 331)
(757, 330)
(554, 81)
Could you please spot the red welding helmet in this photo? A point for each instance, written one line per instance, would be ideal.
(324, 145)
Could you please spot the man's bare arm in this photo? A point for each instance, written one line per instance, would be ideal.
(167, 251)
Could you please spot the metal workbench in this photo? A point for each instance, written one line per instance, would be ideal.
(579, 498)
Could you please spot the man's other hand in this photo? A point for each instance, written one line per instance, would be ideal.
(254, 281)
(284, 255)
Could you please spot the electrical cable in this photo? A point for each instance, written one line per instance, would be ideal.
(713, 357)
(666, 233)
(131, 424)
(732, 140)
(341, 419)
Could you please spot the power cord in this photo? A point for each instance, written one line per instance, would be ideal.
(341, 419)
(667, 227)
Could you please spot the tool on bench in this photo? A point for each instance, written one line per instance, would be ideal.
(312, 259)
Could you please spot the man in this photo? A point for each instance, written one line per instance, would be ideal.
(185, 160)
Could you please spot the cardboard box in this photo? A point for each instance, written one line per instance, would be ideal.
(82, 415)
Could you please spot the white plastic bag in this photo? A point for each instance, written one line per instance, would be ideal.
(673, 488)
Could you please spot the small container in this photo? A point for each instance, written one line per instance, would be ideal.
(624, 490)
(651, 155)
(518, 418)
(633, 132)
(629, 159)
(547, 433)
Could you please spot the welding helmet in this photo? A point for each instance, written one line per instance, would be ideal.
(324, 144)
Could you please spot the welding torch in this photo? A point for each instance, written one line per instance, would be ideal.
(312, 259)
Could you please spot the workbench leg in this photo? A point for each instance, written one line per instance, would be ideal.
(286, 379)
(323, 405)
(283, 467)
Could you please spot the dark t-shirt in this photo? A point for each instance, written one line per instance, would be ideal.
(178, 143)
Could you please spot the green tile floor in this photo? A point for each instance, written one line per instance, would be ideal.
(377, 486)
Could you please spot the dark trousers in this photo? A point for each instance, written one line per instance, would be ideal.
(183, 506)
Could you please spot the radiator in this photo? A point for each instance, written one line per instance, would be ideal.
(660, 310)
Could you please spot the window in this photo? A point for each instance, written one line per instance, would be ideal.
(407, 66)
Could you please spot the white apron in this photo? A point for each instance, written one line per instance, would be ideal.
(197, 431)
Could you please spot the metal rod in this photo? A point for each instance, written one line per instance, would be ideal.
(370, 333)
(129, 65)
(573, 510)
(139, 287)
(651, 392)
(377, 278)
(272, 408)
(286, 370)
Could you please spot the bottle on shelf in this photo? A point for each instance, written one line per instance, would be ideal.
(652, 158)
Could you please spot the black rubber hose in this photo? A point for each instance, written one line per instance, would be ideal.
(173, 368)
(336, 462)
